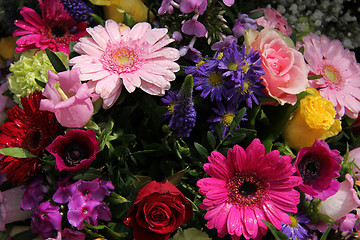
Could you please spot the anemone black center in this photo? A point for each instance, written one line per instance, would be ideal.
(309, 168)
(247, 188)
(58, 31)
(74, 153)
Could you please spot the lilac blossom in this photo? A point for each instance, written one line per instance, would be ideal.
(197, 6)
(194, 27)
(78, 10)
(242, 23)
(46, 220)
(34, 193)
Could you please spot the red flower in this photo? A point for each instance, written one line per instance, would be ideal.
(75, 150)
(158, 210)
(30, 129)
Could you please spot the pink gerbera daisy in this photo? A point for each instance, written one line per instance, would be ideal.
(247, 187)
(341, 73)
(55, 30)
(116, 55)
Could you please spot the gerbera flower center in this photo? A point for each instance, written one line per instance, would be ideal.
(122, 58)
(232, 66)
(33, 140)
(215, 79)
(58, 31)
(247, 189)
(227, 119)
(332, 74)
(309, 168)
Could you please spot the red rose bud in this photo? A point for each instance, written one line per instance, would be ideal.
(158, 210)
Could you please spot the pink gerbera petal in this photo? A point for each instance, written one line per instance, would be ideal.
(239, 197)
(134, 58)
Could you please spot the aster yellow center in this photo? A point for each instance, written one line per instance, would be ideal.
(332, 74)
(294, 221)
(245, 89)
(215, 79)
(245, 68)
(171, 107)
(232, 66)
(200, 63)
(247, 189)
(227, 119)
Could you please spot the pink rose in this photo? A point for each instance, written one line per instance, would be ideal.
(285, 68)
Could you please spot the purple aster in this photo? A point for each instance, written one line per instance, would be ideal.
(251, 85)
(225, 117)
(294, 230)
(170, 100)
(34, 193)
(78, 10)
(184, 117)
(210, 80)
(233, 63)
(46, 220)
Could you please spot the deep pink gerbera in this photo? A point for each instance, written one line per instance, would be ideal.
(247, 187)
(341, 73)
(55, 30)
(116, 55)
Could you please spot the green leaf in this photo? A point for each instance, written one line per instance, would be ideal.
(116, 198)
(211, 139)
(235, 139)
(72, 53)
(141, 181)
(128, 20)
(276, 233)
(88, 225)
(256, 14)
(98, 19)
(326, 233)
(237, 119)
(315, 77)
(16, 152)
(201, 150)
(176, 177)
(88, 175)
(116, 234)
(40, 83)
(55, 61)
(26, 235)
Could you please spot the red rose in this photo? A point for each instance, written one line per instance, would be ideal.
(158, 210)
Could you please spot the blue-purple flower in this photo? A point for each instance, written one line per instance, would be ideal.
(295, 230)
(242, 23)
(78, 10)
(34, 193)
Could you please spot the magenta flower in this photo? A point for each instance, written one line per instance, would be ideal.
(318, 166)
(68, 98)
(75, 150)
(46, 219)
(247, 187)
(54, 30)
(10, 207)
(197, 6)
(193, 27)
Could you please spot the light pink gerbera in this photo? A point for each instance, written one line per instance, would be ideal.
(341, 73)
(55, 30)
(247, 187)
(116, 55)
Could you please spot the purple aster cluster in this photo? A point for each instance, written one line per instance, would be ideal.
(78, 10)
(85, 201)
(181, 109)
(295, 230)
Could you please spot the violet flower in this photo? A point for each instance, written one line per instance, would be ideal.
(194, 27)
(221, 45)
(10, 207)
(75, 150)
(242, 23)
(197, 6)
(34, 193)
(318, 165)
(68, 98)
(78, 10)
(46, 220)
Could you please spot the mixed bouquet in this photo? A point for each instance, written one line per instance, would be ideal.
(175, 119)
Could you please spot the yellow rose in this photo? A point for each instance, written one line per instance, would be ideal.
(315, 118)
(138, 10)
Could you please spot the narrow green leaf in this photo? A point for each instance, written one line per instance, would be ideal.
(326, 233)
(88, 225)
(98, 19)
(116, 198)
(55, 61)
(218, 130)
(201, 150)
(211, 139)
(116, 234)
(276, 233)
(140, 181)
(16, 152)
(302, 49)
(40, 83)
(72, 53)
(235, 139)
(26, 235)
(128, 20)
(237, 119)
(256, 14)
(315, 77)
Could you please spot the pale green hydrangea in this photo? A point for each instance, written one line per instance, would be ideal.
(29, 67)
